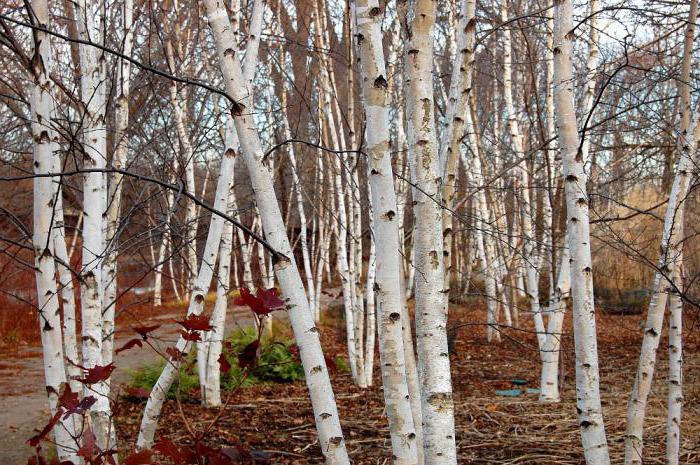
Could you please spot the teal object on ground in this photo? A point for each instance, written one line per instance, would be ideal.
(509, 392)
(519, 382)
(533, 391)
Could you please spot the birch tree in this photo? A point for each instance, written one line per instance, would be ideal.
(671, 252)
(305, 332)
(90, 16)
(45, 142)
(595, 445)
(431, 314)
(376, 99)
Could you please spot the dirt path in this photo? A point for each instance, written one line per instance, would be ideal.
(23, 406)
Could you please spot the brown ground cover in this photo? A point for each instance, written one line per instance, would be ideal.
(276, 422)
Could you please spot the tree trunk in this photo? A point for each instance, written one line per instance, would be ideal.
(437, 405)
(90, 16)
(321, 393)
(45, 142)
(595, 445)
(669, 260)
(376, 99)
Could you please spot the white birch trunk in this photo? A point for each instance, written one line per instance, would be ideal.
(371, 309)
(460, 92)
(594, 441)
(437, 405)
(45, 141)
(199, 292)
(675, 371)
(109, 276)
(549, 379)
(671, 245)
(90, 17)
(67, 289)
(591, 65)
(670, 256)
(529, 250)
(376, 99)
(212, 347)
(306, 334)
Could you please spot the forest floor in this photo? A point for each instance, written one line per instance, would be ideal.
(23, 406)
(276, 421)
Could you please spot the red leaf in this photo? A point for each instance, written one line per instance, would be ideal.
(196, 323)
(176, 454)
(254, 303)
(80, 407)
(224, 365)
(167, 448)
(175, 354)
(139, 458)
(144, 330)
(270, 299)
(249, 356)
(330, 364)
(35, 440)
(190, 336)
(68, 399)
(98, 373)
(89, 448)
(139, 393)
(129, 345)
(294, 351)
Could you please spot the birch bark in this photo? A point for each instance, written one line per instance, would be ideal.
(45, 141)
(151, 412)
(306, 334)
(89, 17)
(671, 253)
(594, 441)
(529, 250)
(437, 405)
(109, 277)
(376, 98)
(675, 371)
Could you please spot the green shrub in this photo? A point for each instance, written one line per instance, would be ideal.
(147, 376)
(276, 364)
(341, 364)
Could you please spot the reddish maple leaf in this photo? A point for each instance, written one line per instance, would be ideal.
(190, 335)
(89, 449)
(175, 354)
(129, 345)
(81, 407)
(248, 299)
(139, 458)
(139, 393)
(196, 323)
(178, 455)
(224, 365)
(36, 439)
(167, 448)
(68, 399)
(270, 298)
(248, 357)
(97, 373)
(263, 303)
(143, 331)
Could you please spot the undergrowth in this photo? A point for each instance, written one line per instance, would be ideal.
(277, 364)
